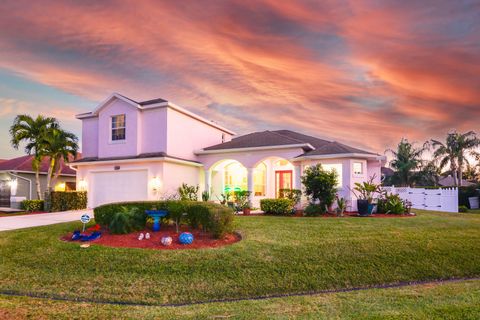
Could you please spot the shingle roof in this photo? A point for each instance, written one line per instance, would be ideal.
(256, 139)
(146, 102)
(24, 163)
(287, 137)
(140, 156)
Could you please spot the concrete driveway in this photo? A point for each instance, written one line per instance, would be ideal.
(43, 219)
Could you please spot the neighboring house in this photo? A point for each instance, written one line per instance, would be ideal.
(449, 182)
(17, 180)
(146, 150)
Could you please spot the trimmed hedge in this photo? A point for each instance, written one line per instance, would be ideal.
(281, 206)
(210, 217)
(67, 200)
(32, 205)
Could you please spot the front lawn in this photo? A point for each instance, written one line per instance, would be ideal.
(278, 255)
(457, 300)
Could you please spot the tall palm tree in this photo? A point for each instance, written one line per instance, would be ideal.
(32, 132)
(454, 152)
(59, 144)
(407, 160)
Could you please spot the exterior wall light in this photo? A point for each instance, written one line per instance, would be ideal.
(82, 185)
(156, 183)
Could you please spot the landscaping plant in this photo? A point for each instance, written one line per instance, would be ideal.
(32, 205)
(341, 206)
(320, 186)
(366, 192)
(241, 200)
(127, 220)
(281, 206)
(187, 192)
(205, 195)
(293, 194)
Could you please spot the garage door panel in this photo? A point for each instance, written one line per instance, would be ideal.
(119, 186)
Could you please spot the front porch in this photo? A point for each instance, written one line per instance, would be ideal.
(265, 179)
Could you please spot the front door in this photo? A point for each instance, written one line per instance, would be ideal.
(4, 194)
(283, 180)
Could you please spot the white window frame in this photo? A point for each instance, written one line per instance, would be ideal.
(112, 128)
(362, 166)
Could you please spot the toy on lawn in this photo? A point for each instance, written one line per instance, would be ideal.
(185, 238)
(166, 241)
(85, 236)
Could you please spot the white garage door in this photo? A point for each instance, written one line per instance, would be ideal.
(119, 186)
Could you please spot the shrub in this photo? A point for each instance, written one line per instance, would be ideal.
(205, 195)
(314, 210)
(32, 205)
(462, 209)
(67, 200)
(293, 194)
(466, 192)
(187, 192)
(391, 203)
(127, 220)
(211, 217)
(282, 206)
(320, 185)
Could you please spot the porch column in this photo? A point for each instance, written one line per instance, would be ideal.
(208, 180)
(297, 182)
(250, 184)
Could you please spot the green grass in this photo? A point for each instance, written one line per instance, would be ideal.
(440, 301)
(278, 255)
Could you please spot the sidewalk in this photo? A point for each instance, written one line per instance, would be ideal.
(35, 220)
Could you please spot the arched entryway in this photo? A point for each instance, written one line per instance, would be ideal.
(263, 178)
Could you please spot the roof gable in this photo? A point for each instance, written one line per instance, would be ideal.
(24, 164)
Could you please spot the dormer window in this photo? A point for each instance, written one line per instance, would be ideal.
(118, 127)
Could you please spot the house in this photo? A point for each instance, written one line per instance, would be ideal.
(146, 150)
(17, 180)
(448, 181)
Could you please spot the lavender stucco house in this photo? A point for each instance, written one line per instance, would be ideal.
(146, 150)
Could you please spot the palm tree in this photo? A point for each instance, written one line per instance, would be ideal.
(454, 151)
(59, 144)
(32, 131)
(407, 160)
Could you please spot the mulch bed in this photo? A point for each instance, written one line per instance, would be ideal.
(201, 239)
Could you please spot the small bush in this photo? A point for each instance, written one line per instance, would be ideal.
(391, 203)
(462, 209)
(67, 200)
(314, 210)
(293, 194)
(32, 205)
(127, 220)
(282, 206)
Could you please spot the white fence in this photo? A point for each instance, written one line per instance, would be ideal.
(444, 199)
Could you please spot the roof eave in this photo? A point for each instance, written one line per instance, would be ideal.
(166, 159)
(232, 150)
(342, 155)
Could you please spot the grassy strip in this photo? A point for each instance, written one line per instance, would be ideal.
(279, 255)
(442, 301)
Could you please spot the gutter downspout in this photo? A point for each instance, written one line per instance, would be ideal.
(25, 179)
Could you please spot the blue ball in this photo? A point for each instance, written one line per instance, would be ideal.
(185, 238)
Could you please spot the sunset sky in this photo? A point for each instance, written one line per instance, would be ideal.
(361, 73)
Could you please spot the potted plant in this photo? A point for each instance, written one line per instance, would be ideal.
(365, 193)
(242, 201)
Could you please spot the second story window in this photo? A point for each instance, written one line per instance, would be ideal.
(118, 127)
(358, 168)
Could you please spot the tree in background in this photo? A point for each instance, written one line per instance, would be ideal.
(58, 145)
(32, 131)
(454, 151)
(407, 162)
